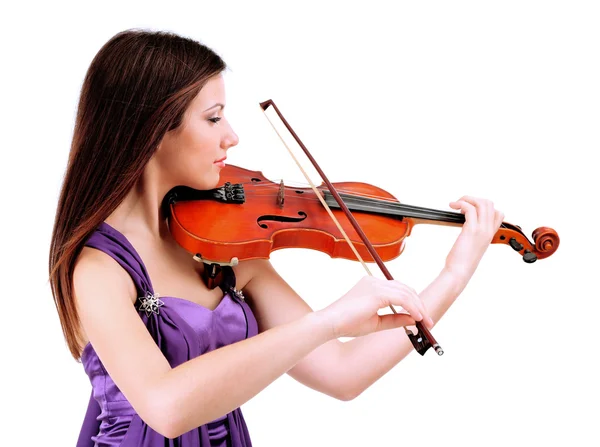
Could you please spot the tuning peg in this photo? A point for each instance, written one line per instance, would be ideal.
(515, 244)
(529, 257)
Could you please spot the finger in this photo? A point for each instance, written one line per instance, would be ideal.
(468, 210)
(491, 216)
(409, 292)
(413, 329)
(499, 218)
(486, 215)
(428, 321)
(395, 297)
(489, 219)
(402, 295)
(482, 207)
(418, 302)
(487, 209)
(394, 321)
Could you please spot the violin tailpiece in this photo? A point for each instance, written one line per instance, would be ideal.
(212, 275)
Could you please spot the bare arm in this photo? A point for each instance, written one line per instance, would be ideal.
(344, 370)
(371, 356)
(364, 360)
(175, 400)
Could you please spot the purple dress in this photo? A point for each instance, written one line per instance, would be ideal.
(183, 330)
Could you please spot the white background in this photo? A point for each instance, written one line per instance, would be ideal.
(429, 100)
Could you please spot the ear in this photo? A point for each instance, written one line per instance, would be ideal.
(158, 148)
(164, 143)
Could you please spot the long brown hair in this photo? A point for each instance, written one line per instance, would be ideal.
(137, 88)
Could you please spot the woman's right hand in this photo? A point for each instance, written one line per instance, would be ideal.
(355, 313)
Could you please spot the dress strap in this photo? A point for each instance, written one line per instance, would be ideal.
(110, 241)
(116, 245)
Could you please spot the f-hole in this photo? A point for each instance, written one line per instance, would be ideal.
(273, 218)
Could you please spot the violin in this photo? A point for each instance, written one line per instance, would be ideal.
(351, 220)
(257, 216)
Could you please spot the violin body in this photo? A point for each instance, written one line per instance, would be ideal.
(273, 216)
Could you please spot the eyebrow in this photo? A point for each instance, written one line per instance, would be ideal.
(216, 105)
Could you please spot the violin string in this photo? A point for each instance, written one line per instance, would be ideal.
(353, 193)
(276, 185)
(418, 212)
(358, 195)
(391, 205)
(340, 190)
(433, 213)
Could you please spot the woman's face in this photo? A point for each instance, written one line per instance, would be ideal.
(188, 155)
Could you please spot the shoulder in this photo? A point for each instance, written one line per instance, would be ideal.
(95, 271)
(272, 299)
(246, 271)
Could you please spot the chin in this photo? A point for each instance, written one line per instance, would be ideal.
(209, 180)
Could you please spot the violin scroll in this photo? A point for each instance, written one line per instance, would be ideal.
(546, 241)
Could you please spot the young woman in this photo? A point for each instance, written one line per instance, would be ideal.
(151, 117)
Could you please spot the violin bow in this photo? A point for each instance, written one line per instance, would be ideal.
(421, 341)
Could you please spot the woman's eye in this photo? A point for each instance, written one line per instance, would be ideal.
(215, 119)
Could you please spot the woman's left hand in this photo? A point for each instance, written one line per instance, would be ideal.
(482, 221)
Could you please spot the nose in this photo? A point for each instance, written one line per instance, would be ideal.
(231, 139)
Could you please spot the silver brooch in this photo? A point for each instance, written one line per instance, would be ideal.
(238, 294)
(150, 303)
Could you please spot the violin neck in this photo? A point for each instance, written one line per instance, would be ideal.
(397, 209)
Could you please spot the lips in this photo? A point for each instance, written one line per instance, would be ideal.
(221, 159)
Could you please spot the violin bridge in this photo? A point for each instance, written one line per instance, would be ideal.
(281, 194)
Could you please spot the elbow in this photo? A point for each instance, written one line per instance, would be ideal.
(171, 416)
(165, 430)
(170, 433)
(344, 387)
(164, 423)
(345, 397)
(347, 394)
(168, 429)
(160, 415)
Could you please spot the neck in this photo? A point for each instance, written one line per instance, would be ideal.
(140, 213)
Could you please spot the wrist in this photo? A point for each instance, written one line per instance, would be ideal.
(320, 325)
(459, 273)
(463, 259)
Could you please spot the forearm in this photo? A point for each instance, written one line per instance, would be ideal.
(215, 383)
(364, 360)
